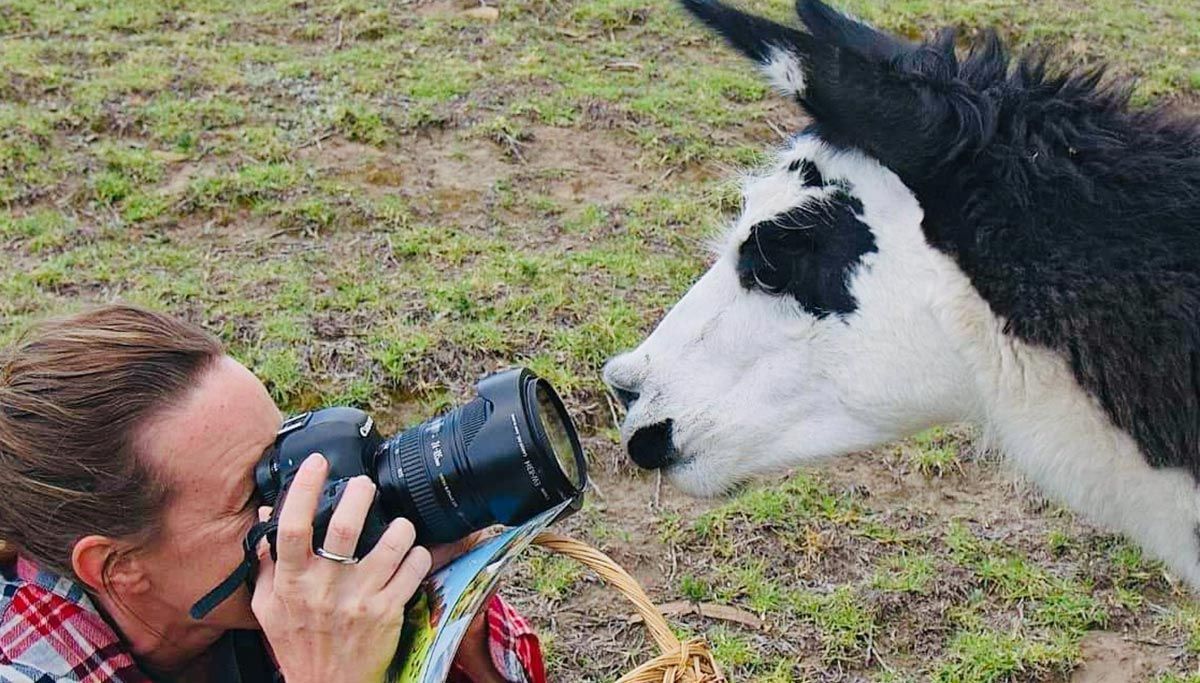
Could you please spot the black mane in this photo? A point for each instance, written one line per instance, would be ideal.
(1078, 219)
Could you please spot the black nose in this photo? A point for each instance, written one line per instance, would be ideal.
(652, 447)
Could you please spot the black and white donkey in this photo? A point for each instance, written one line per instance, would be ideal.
(974, 239)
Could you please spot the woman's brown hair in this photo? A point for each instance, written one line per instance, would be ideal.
(74, 393)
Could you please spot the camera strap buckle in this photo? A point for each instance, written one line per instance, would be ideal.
(243, 573)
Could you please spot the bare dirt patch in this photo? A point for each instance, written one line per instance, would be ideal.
(592, 164)
(1114, 658)
(442, 7)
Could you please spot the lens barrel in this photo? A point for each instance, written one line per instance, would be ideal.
(499, 458)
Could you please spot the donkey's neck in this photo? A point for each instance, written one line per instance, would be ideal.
(1038, 416)
(1084, 236)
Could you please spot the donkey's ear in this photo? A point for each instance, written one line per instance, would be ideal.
(864, 88)
(779, 50)
(785, 53)
(830, 27)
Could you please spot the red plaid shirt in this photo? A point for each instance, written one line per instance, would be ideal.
(50, 632)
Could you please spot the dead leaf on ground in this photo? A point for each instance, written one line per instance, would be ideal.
(623, 66)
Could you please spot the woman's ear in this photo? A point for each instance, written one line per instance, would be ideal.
(105, 565)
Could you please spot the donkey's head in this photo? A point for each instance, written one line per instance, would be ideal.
(817, 331)
(949, 240)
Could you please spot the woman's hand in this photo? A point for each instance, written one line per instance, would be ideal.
(446, 553)
(327, 621)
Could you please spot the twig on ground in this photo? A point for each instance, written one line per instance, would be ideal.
(318, 140)
(778, 131)
(708, 610)
(596, 487)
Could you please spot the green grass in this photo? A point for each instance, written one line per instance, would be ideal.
(987, 656)
(374, 204)
(1184, 621)
(933, 452)
(844, 625)
(1177, 678)
(904, 573)
(553, 575)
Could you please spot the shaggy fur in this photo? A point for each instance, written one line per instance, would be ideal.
(980, 240)
(1076, 218)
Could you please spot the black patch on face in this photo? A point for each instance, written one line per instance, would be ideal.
(809, 253)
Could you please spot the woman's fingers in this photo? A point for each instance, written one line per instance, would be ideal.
(443, 554)
(390, 551)
(293, 545)
(346, 524)
(403, 584)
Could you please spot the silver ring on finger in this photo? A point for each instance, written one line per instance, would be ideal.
(340, 559)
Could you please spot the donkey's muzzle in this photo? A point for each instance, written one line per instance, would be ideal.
(653, 447)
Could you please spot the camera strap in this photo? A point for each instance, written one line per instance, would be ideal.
(244, 573)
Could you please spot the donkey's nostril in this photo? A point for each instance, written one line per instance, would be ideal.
(653, 447)
(626, 396)
(624, 387)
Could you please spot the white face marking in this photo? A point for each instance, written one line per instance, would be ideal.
(753, 383)
(785, 72)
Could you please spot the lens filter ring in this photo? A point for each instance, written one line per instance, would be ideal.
(555, 435)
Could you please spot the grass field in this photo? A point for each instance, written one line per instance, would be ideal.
(377, 202)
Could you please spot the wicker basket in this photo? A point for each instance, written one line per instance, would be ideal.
(687, 661)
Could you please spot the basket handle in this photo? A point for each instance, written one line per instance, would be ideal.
(680, 662)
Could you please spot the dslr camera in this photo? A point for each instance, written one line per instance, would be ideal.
(507, 455)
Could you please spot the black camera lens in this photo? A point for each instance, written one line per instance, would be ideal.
(504, 457)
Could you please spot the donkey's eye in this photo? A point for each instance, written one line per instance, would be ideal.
(808, 252)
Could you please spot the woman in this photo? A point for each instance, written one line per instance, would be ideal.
(127, 445)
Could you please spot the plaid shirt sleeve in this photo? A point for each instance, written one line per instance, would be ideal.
(513, 644)
(50, 632)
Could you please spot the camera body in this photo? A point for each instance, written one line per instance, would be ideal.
(349, 441)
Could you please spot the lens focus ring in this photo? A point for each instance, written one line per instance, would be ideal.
(439, 527)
